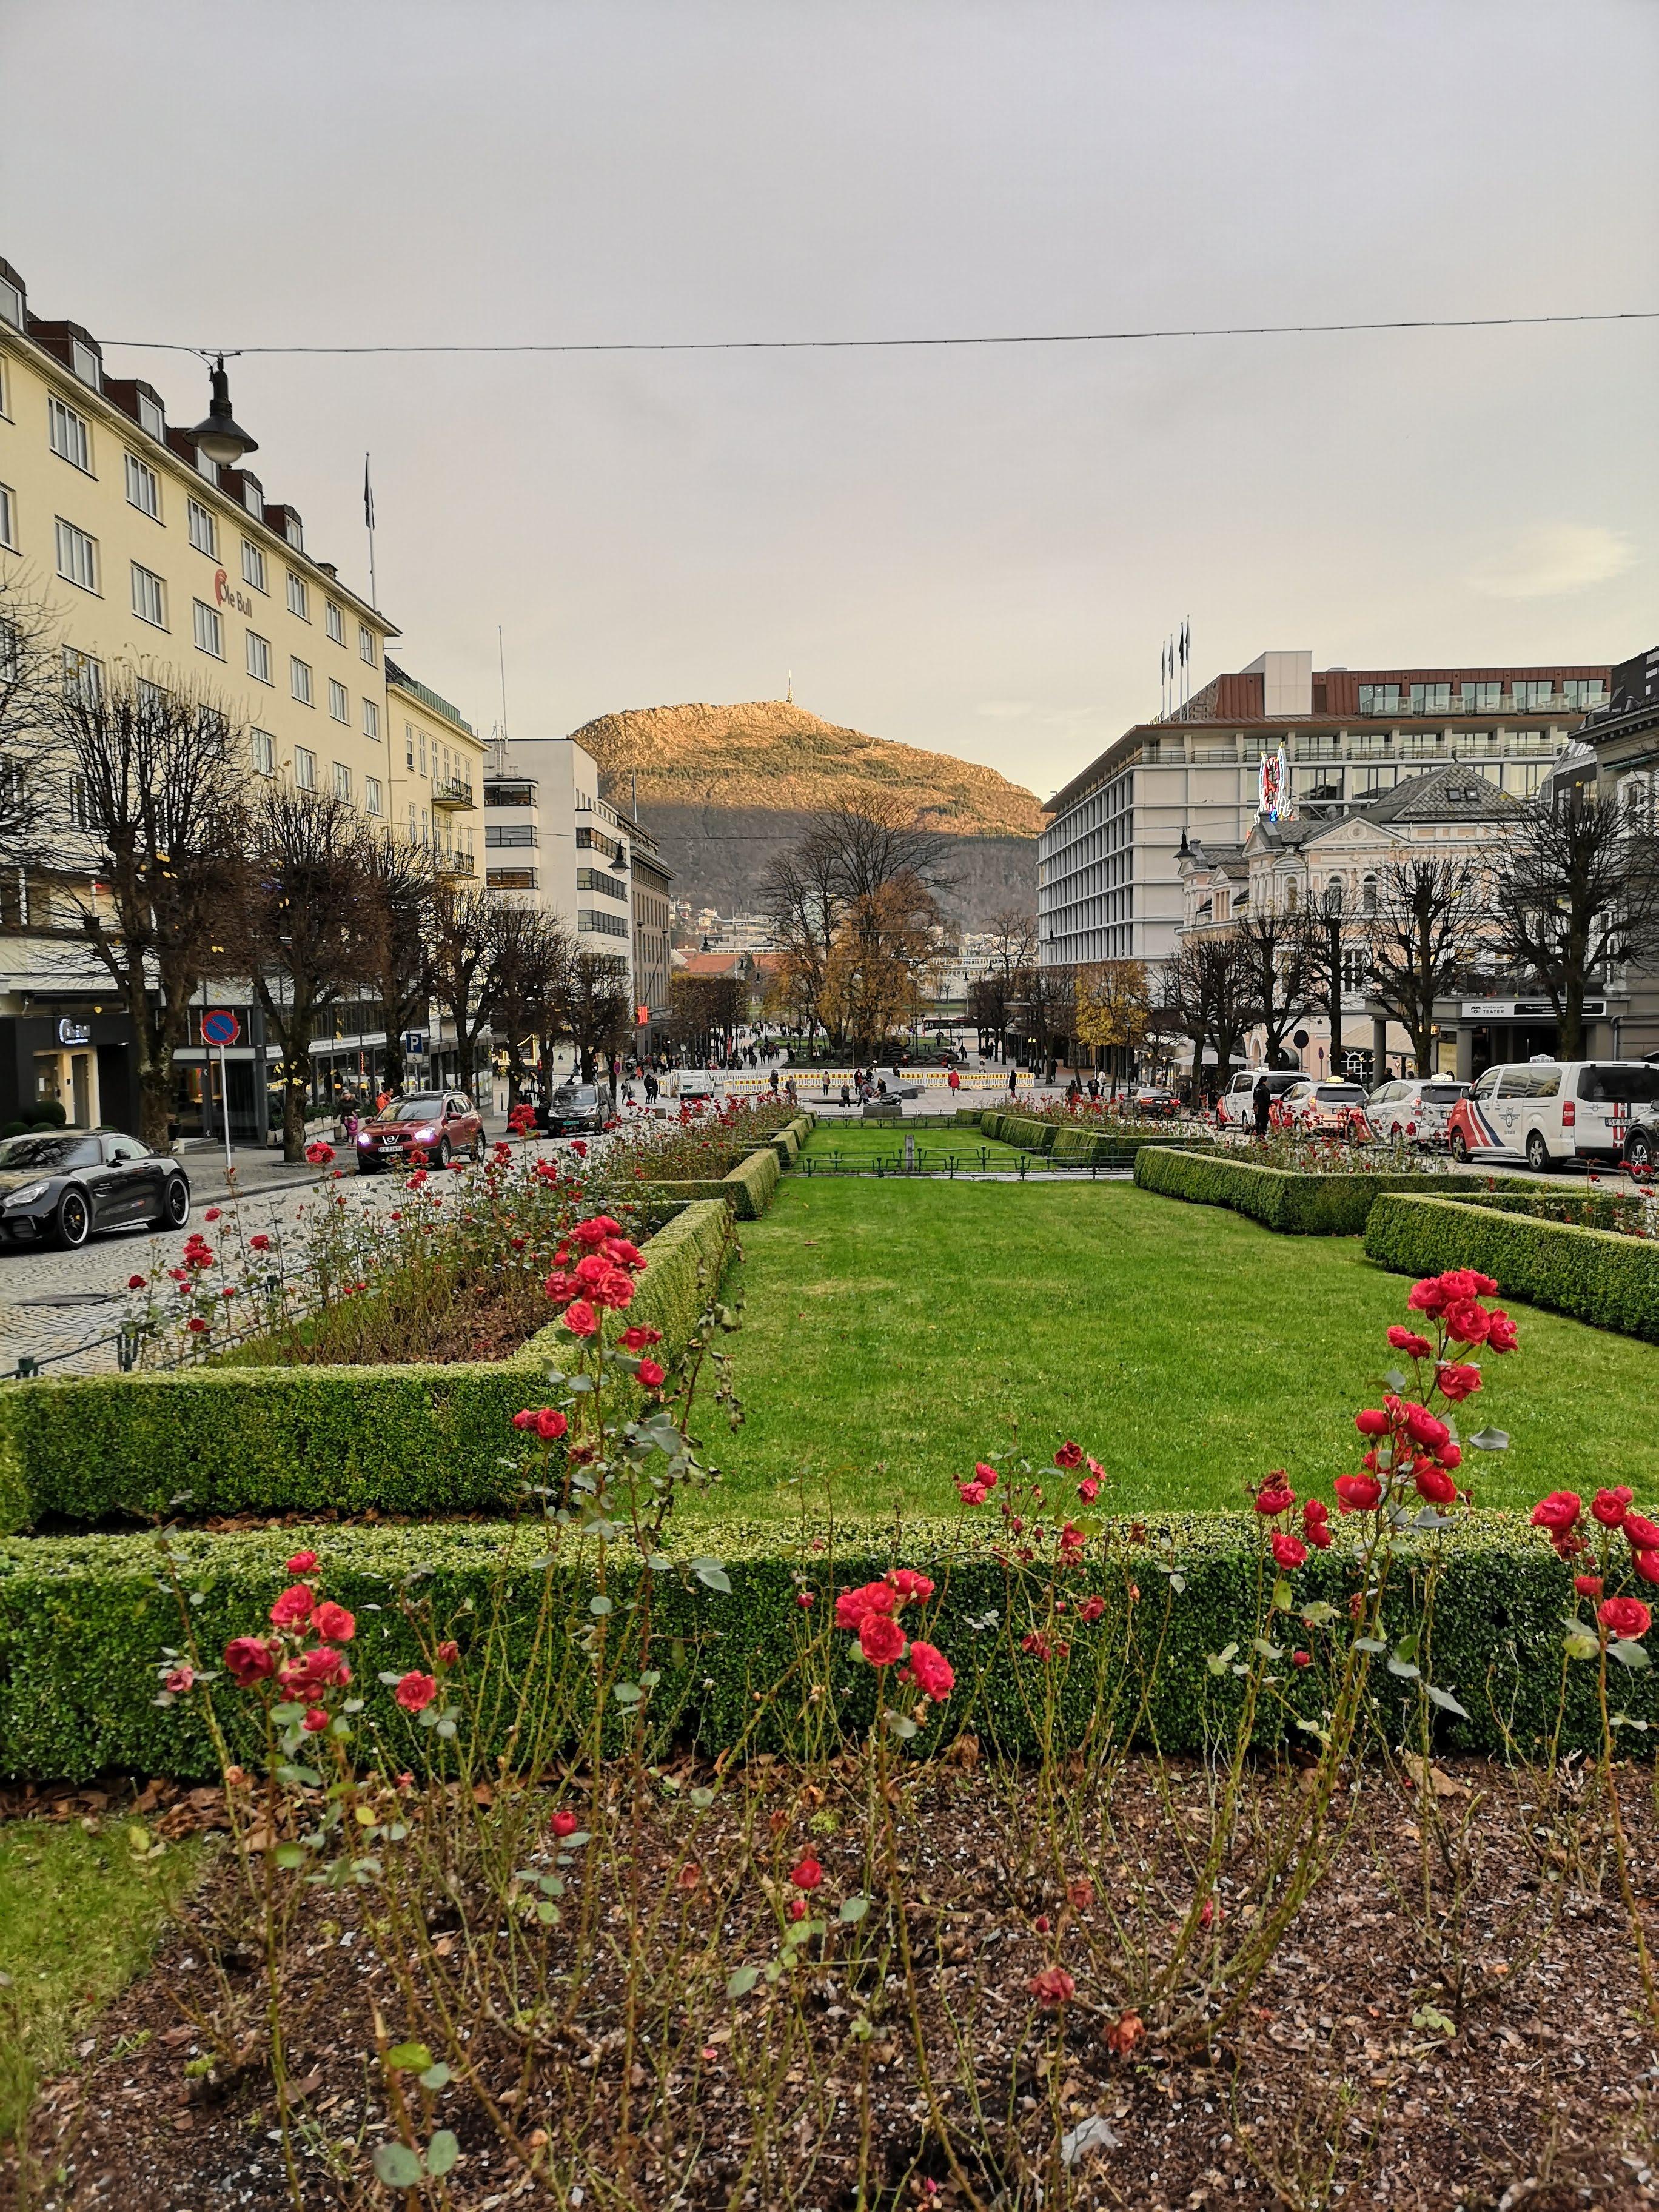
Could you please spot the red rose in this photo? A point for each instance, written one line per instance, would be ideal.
(1428, 1296)
(581, 1319)
(640, 1339)
(1373, 1422)
(1423, 1428)
(1275, 1495)
(593, 1233)
(550, 1424)
(293, 1607)
(1501, 1334)
(301, 1563)
(1301, 1658)
(1588, 1585)
(1610, 1506)
(1053, 1986)
(1559, 1512)
(985, 1473)
(1289, 1551)
(564, 1824)
(806, 1873)
(249, 1659)
(137, 1282)
(909, 1585)
(1357, 1493)
(853, 1605)
(319, 1153)
(1090, 1607)
(1088, 1488)
(180, 1680)
(449, 1655)
(1624, 1617)
(334, 1622)
(971, 1493)
(931, 1672)
(880, 1638)
(260, 1244)
(1643, 1534)
(316, 1720)
(417, 1691)
(651, 1376)
(806, 1600)
(526, 1420)
(1451, 1456)
(1646, 1564)
(1315, 1524)
(1467, 1321)
(1069, 1455)
(1434, 1484)
(197, 1326)
(1457, 1381)
(1408, 1341)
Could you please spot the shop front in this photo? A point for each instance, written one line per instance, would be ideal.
(68, 1057)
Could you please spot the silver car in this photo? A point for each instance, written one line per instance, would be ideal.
(1413, 1109)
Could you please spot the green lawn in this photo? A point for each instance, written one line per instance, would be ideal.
(861, 1144)
(79, 1917)
(893, 1333)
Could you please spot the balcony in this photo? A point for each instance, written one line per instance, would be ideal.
(451, 867)
(454, 796)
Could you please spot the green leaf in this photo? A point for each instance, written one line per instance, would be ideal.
(1581, 1645)
(901, 1726)
(1368, 1643)
(408, 2059)
(742, 1982)
(397, 2166)
(1266, 1651)
(1218, 1662)
(547, 1912)
(702, 1799)
(297, 1775)
(289, 1856)
(714, 1576)
(600, 1606)
(1282, 1599)
(1319, 1615)
(1177, 1583)
(1406, 1649)
(626, 1694)
(441, 2154)
(1490, 1440)
(1428, 2016)
(436, 2077)
(1404, 1669)
(1444, 1699)
(1629, 1655)
(852, 1910)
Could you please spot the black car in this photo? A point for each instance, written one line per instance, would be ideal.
(576, 1106)
(57, 1186)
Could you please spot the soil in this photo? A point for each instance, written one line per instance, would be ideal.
(481, 1321)
(1507, 2060)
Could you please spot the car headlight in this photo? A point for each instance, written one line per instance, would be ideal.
(426, 1136)
(28, 1194)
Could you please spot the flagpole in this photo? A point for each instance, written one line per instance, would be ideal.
(369, 517)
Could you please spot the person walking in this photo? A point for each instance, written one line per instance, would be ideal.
(1013, 1082)
(954, 1082)
(773, 1079)
(1262, 1103)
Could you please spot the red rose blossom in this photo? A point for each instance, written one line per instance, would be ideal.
(1069, 1455)
(1373, 1422)
(333, 1623)
(652, 1377)
(1646, 1564)
(1053, 1986)
(293, 1607)
(1559, 1512)
(806, 1873)
(931, 1672)
(1624, 1617)
(1408, 1341)
(581, 1319)
(640, 1339)
(564, 1824)
(1501, 1334)
(550, 1424)
(249, 1659)
(1357, 1493)
(1588, 1585)
(1643, 1534)
(1288, 1552)
(880, 1638)
(1434, 1484)
(417, 1691)
(301, 1563)
(449, 1654)
(1610, 1506)
(1457, 1381)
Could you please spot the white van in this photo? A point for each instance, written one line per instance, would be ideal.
(1545, 1111)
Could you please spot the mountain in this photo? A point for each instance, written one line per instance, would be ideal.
(723, 788)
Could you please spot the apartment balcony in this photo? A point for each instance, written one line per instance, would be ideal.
(454, 797)
(451, 867)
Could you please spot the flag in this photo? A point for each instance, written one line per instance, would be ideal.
(1184, 627)
(369, 495)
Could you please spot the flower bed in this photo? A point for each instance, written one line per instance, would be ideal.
(405, 1438)
(748, 1187)
(1597, 1275)
(1295, 1205)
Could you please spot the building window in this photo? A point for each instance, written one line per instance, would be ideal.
(254, 500)
(408, 747)
(420, 740)
(71, 440)
(150, 601)
(1531, 698)
(86, 364)
(1368, 895)
(343, 782)
(8, 518)
(77, 556)
(305, 769)
(203, 528)
(5, 404)
(11, 304)
(411, 822)
(299, 680)
(372, 795)
(209, 630)
(83, 674)
(253, 565)
(371, 720)
(1430, 698)
(1379, 698)
(258, 658)
(336, 622)
(299, 599)
(1584, 691)
(206, 470)
(143, 488)
(263, 747)
(1481, 698)
(504, 834)
(510, 880)
(339, 700)
(152, 417)
(366, 643)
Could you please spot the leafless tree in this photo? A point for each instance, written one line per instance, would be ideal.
(529, 955)
(869, 841)
(462, 944)
(1207, 987)
(145, 840)
(1013, 952)
(1275, 978)
(1576, 893)
(31, 666)
(594, 1009)
(705, 1010)
(1421, 940)
(402, 888)
(307, 929)
(800, 896)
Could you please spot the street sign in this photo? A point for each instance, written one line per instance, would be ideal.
(220, 1028)
(414, 1043)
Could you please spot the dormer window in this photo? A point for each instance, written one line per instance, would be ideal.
(86, 363)
(253, 498)
(11, 303)
(151, 417)
(293, 531)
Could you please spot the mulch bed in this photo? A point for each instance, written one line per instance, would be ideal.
(1343, 2083)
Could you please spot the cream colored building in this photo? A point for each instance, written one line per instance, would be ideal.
(146, 554)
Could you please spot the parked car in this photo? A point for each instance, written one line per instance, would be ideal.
(1236, 1107)
(438, 1123)
(573, 1108)
(1413, 1107)
(1545, 1111)
(58, 1186)
(1154, 1098)
(1308, 1104)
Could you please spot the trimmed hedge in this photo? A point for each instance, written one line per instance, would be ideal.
(787, 1142)
(1595, 1275)
(84, 1621)
(414, 1439)
(1295, 1205)
(747, 1188)
(1105, 1148)
(1027, 1136)
(968, 1117)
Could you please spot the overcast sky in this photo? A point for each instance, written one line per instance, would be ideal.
(977, 550)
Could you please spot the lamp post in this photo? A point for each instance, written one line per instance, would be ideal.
(221, 437)
(1331, 912)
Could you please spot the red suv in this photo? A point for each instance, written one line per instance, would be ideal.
(439, 1124)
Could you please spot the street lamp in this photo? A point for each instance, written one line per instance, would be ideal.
(221, 438)
(1331, 909)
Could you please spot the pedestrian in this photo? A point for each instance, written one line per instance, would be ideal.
(789, 1092)
(846, 1096)
(773, 1079)
(1013, 1082)
(1262, 1103)
(954, 1082)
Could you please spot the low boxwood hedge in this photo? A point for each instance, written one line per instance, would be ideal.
(1113, 1148)
(1594, 1275)
(968, 1117)
(409, 1439)
(84, 1621)
(748, 1188)
(1018, 1130)
(787, 1142)
(1293, 1204)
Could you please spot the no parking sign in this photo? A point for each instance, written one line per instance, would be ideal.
(220, 1028)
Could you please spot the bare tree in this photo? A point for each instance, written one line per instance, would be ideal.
(1421, 941)
(800, 896)
(870, 842)
(307, 929)
(529, 959)
(1014, 952)
(1276, 979)
(704, 1010)
(31, 666)
(1576, 893)
(594, 1010)
(1207, 986)
(144, 836)
(401, 888)
(462, 945)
